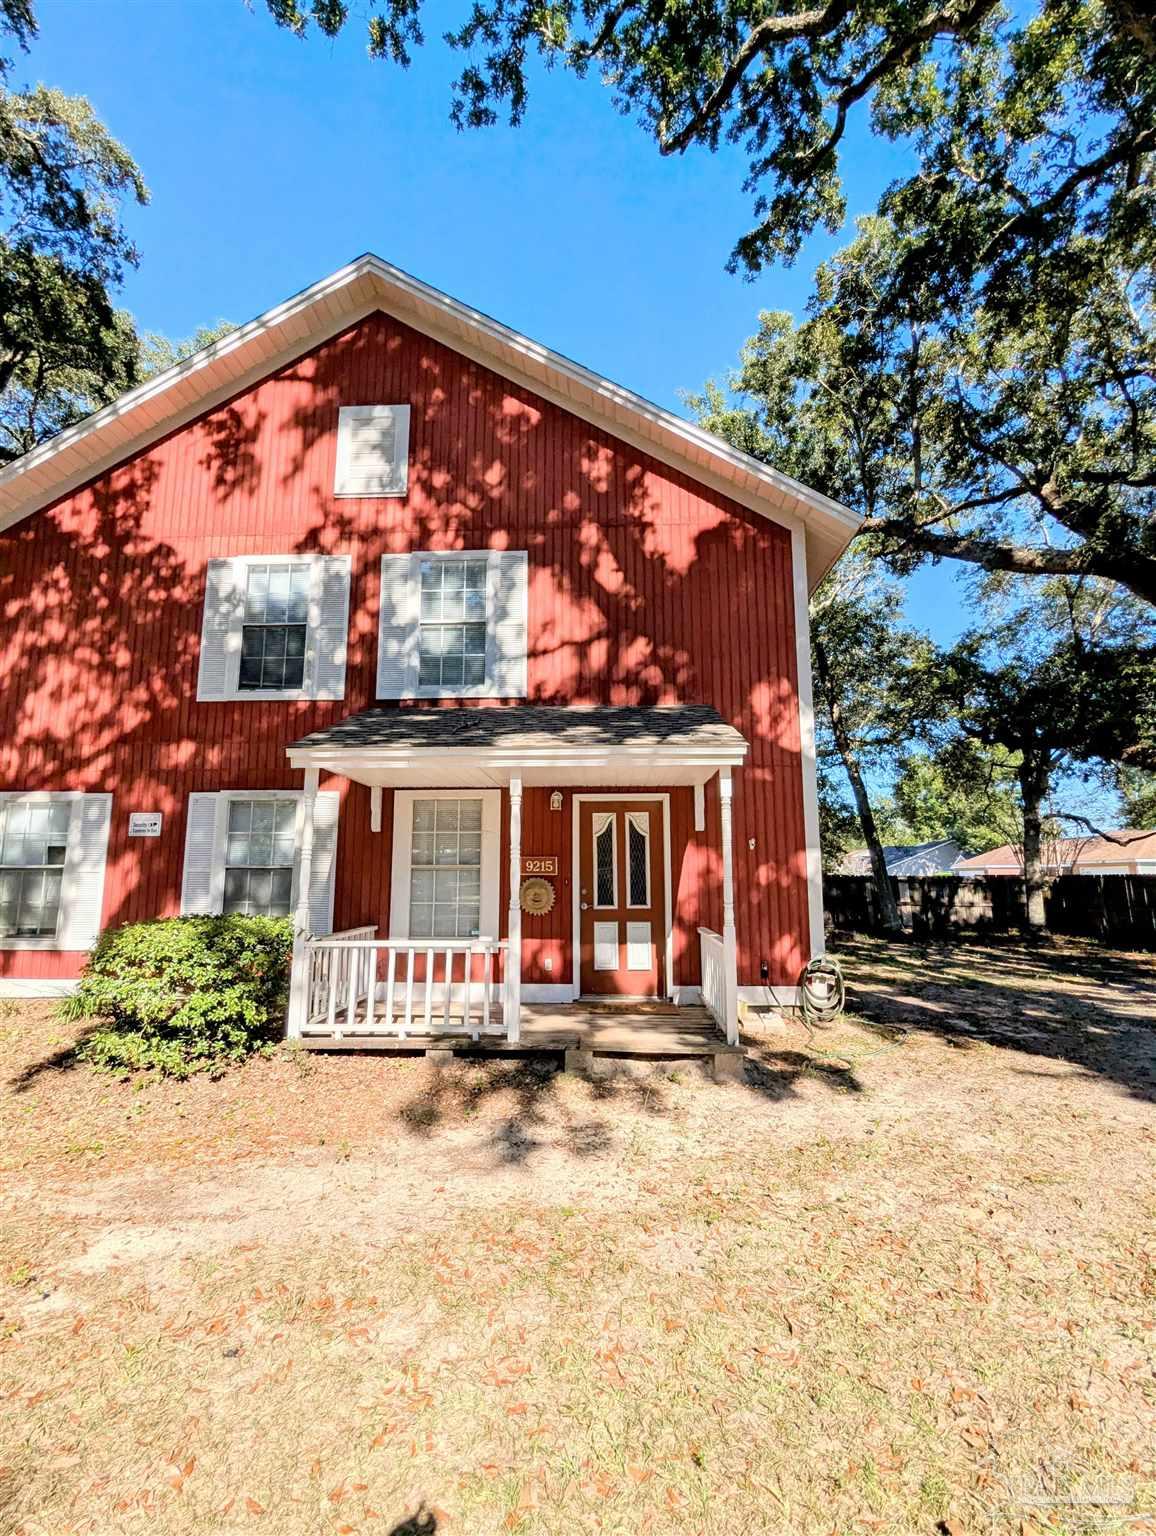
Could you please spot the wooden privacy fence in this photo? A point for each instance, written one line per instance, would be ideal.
(1117, 909)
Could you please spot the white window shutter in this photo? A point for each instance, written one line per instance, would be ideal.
(398, 627)
(372, 450)
(507, 623)
(82, 888)
(328, 627)
(203, 880)
(221, 630)
(324, 862)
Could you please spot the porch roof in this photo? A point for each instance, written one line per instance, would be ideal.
(430, 747)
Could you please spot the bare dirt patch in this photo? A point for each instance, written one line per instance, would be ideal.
(904, 1275)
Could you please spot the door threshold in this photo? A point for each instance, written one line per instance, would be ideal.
(622, 1000)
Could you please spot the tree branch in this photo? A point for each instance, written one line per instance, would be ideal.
(1021, 223)
(1131, 570)
(1108, 837)
(769, 31)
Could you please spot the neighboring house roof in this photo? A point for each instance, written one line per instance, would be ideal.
(1077, 852)
(935, 858)
(253, 351)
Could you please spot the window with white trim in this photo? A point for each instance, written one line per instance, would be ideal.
(260, 849)
(276, 626)
(453, 624)
(243, 854)
(445, 880)
(53, 857)
(446, 864)
(452, 636)
(33, 851)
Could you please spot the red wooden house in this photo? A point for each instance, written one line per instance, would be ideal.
(379, 614)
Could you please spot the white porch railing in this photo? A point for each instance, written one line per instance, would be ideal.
(719, 989)
(358, 985)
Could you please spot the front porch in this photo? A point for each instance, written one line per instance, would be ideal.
(581, 1033)
(416, 990)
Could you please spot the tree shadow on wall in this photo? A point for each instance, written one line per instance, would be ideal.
(102, 594)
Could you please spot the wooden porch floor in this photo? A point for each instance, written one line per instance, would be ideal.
(580, 1031)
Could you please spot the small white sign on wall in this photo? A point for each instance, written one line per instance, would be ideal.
(145, 823)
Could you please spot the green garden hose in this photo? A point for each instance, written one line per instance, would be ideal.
(822, 991)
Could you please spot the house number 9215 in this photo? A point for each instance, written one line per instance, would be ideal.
(540, 866)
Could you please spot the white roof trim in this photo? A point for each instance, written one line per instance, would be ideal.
(227, 367)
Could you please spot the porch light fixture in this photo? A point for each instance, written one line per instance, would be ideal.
(556, 800)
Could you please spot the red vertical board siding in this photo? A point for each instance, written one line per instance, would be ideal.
(645, 587)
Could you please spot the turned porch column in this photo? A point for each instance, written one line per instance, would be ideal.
(299, 965)
(513, 999)
(730, 942)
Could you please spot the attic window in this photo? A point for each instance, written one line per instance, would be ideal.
(372, 450)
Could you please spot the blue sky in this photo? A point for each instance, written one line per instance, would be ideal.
(272, 161)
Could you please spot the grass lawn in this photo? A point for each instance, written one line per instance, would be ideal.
(902, 1280)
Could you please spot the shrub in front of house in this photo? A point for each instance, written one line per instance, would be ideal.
(184, 994)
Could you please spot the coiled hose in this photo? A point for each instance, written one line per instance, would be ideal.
(822, 990)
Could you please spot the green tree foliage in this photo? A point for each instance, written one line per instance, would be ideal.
(184, 994)
(1050, 687)
(1137, 798)
(1033, 128)
(839, 829)
(963, 791)
(1022, 446)
(64, 348)
(871, 676)
(159, 352)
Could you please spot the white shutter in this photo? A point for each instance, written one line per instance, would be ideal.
(82, 887)
(328, 627)
(221, 629)
(324, 862)
(202, 884)
(398, 627)
(372, 450)
(506, 624)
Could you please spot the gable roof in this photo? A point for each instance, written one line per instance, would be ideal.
(1078, 851)
(253, 351)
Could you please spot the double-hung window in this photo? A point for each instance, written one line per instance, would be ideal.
(53, 856)
(276, 626)
(453, 625)
(452, 645)
(243, 854)
(260, 847)
(33, 851)
(446, 867)
(445, 891)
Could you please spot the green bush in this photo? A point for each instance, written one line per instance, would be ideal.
(184, 994)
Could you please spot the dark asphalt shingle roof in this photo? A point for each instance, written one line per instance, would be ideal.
(530, 725)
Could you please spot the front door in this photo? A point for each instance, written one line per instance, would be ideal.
(622, 898)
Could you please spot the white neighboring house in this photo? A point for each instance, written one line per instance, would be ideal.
(1131, 852)
(905, 860)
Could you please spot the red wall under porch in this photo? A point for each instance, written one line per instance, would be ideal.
(365, 860)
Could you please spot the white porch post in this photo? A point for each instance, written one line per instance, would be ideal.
(299, 966)
(513, 1004)
(730, 943)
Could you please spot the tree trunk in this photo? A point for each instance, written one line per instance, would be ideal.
(1033, 780)
(888, 908)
